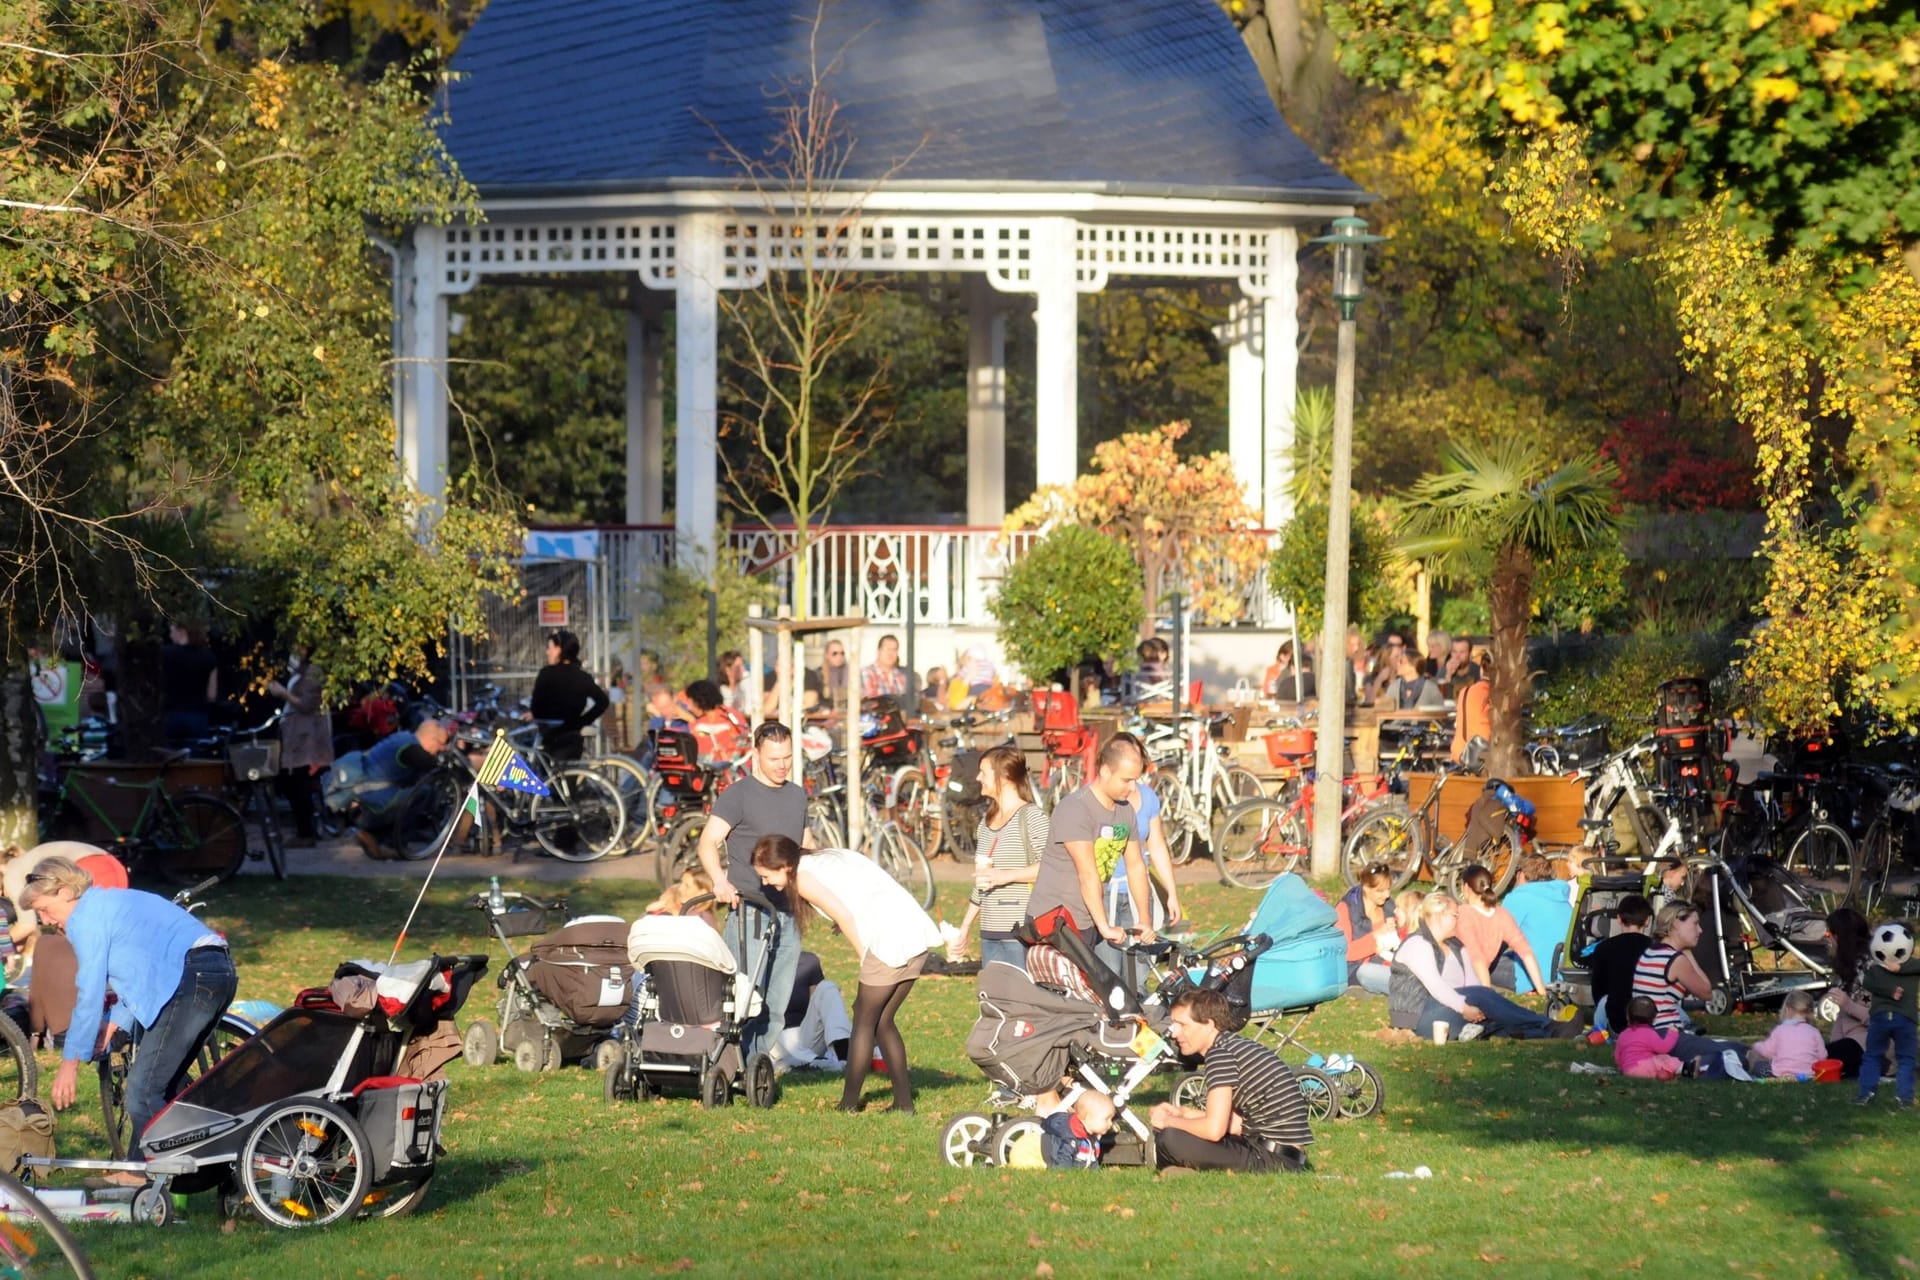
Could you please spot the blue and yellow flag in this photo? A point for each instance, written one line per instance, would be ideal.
(504, 770)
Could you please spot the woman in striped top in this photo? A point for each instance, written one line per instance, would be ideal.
(1668, 973)
(1008, 845)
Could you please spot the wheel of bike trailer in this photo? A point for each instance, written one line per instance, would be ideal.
(1360, 1091)
(1189, 1090)
(307, 1163)
(1260, 839)
(195, 837)
(1003, 1139)
(427, 814)
(897, 854)
(1322, 1095)
(580, 819)
(228, 1034)
(632, 783)
(396, 1199)
(680, 850)
(34, 1243)
(963, 1143)
(1389, 836)
(19, 1072)
(1822, 851)
(916, 810)
(1176, 812)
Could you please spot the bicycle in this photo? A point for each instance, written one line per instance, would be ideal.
(579, 819)
(252, 766)
(1405, 842)
(114, 1065)
(34, 1242)
(1195, 788)
(185, 838)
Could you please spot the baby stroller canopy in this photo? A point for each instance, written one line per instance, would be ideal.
(1026, 1033)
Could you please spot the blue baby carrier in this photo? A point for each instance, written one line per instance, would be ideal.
(1307, 961)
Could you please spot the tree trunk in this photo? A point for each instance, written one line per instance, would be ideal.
(1509, 602)
(19, 760)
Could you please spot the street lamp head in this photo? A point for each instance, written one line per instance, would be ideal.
(1349, 239)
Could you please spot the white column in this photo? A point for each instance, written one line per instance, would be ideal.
(1280, 347)
(1246, 400)
(1056, 354)
(646, 410)
(423, 419)
(986, 405)
(696, 374)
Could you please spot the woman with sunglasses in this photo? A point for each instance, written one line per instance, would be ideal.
(1367, 917)
(173, 975)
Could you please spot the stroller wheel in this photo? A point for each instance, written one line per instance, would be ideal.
(614, 1083)
(1719, 1002)
(306, 1163)
(553, 1058)
(964, 1142)
(397, 1200)
(1322, 1095)
(530, 1056)
(481, 1045)
(153, 1207)
(607, 1053)
(716, 1088)
(763, 1082)
(1010, 1133)
(1359, 1091)
(1189, 1090)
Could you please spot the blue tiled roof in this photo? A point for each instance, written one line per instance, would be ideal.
(1133, 96)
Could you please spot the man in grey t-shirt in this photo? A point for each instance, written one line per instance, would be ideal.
(1090, 832)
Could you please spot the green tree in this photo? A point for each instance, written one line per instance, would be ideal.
(1075, 595)
(1297, 570)
(1493, 514)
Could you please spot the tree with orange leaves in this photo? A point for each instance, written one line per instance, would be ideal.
(1186, 519)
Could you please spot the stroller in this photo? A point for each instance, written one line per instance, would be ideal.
(1027, 1040)
(1760, 935)
(560, 999)
(1596, 915)
(1301, 966)
(689, 1003)
(323, 1115)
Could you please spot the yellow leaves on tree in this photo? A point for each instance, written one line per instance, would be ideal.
(1184, 518)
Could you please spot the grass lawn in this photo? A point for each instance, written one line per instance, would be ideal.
(1533, 1168)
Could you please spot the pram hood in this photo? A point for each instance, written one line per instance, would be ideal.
(687, 939)
(1025, 1033)
(1290, 908)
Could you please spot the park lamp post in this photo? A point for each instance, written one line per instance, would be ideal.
(1349, 239)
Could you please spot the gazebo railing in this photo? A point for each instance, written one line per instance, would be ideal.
(947, 573)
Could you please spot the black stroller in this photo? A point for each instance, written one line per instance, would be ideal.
(562, 997)
(319, 1117)
(690, 1002)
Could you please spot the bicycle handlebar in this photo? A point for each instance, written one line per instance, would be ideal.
(185, 896)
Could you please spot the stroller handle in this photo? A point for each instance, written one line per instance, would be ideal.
(752, 899)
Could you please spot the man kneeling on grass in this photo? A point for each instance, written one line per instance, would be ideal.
(1255, 1120)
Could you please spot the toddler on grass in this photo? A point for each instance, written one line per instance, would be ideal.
(1892, 987)
(1072, 1137)
(1794, 1045)
(1642, 1052)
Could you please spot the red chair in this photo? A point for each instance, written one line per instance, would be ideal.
(1063, 734)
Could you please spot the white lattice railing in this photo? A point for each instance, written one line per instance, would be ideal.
(945, 573)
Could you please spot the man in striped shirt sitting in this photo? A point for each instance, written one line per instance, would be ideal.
(1255, 1120)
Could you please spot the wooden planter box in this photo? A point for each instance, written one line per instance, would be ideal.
(121, 803)
(1559, 803)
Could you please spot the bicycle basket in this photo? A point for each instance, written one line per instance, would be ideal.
(1286, 748)
(252, 761)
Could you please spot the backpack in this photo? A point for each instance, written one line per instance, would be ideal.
(26, 1129)
(345, 781)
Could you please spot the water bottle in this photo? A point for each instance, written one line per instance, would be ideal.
(496, 901)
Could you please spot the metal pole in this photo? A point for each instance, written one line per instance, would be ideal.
(713, 636)
(1335, 672)
(1179, 689)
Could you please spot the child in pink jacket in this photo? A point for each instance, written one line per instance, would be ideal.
(1642, 1052)
(1794, 1045)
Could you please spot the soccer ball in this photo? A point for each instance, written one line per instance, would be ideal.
(1891, 944)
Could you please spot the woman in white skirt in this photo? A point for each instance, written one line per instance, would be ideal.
(889, 932)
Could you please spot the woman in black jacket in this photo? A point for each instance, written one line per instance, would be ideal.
(566, 698)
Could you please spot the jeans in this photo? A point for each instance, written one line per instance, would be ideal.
(1886, 1026)
(1371, 975)
(1503, 1016)
(1002, 946)
(1692, 1048)
(745, 940)
(1120, 916)
(168, 1047)
(1240, 1154)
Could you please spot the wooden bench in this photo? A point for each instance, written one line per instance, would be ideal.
(1559, 804)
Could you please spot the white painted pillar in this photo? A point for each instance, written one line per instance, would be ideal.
(1280, 347)
(423, 420)
(1246, 400)
(646, 410)
(1056, 354)
(696, 376)
(986, 404)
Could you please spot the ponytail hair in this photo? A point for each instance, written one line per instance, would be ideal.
(1478, 881)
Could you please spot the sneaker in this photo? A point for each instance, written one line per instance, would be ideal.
(1566, 1031)
(1472, 1031)
(1862, 1100)
(1736, 1070)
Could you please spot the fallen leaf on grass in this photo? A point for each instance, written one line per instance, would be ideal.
(1837, 1194)
(1043, 1270)
(1491, 1257)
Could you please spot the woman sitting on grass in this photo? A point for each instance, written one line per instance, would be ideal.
(1667, 973)
(1847, 936)
(1494, 941)
(1431, 986)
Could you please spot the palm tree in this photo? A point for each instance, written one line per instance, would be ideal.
(1491, 514)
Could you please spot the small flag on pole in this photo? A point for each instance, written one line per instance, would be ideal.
(472, 805)
(504, 770)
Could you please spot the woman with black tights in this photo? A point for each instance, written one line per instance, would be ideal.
(889, 932)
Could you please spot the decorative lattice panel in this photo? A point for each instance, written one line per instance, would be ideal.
(507, 248)
(1190, 253)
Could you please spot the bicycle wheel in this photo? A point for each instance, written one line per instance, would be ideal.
(1822, 850)
(1872, 868)
(270, 833)
(632, 782)
(19, 1073)
(679, 851)
(899, 856)
(915, 810)
(426, 815)
(1389, 836)
(580, 818)
(195, 836)
(1500, 856)
(34, 1243)
(1260, 839)
(1232, 784)
(826, 822)
(1177, 813)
